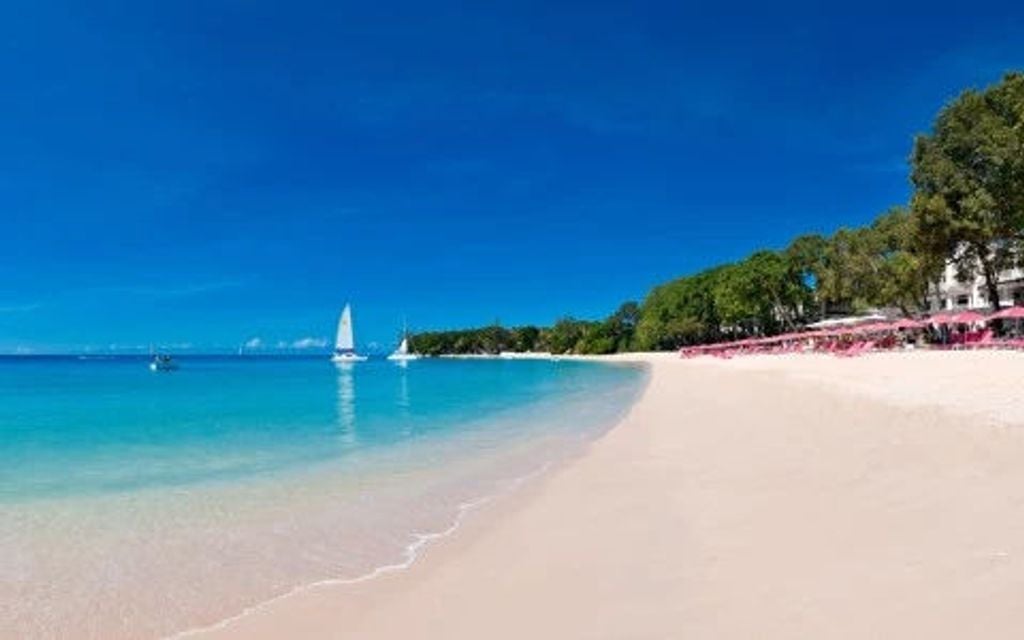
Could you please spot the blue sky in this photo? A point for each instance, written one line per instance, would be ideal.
(207, 173)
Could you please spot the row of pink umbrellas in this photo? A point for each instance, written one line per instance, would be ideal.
(944, 318)
(973, 317)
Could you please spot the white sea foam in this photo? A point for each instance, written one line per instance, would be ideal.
(409, 557)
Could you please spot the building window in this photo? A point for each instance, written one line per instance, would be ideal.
(962, 301)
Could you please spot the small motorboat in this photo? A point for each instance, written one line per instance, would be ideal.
(163, 363)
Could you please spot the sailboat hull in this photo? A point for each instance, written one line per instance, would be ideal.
(403, 356)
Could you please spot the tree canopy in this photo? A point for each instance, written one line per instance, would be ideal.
(968, 175)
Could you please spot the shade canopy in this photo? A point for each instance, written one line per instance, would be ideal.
(968, 317)
(1010, 313)
(908, 323)
(960, 317)
(874, 327)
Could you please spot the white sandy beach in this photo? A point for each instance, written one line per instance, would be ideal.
(763, 497)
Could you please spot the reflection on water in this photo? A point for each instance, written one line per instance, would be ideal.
(403, 391)
(346, 403)
(402, 401)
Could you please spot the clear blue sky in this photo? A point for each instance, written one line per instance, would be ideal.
(210, 172)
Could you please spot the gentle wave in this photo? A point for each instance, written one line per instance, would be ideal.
(411, 554)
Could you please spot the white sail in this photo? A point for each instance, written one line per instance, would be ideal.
(402, 354)
(344, 342)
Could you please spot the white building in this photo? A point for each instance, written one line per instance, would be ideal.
(951, 293)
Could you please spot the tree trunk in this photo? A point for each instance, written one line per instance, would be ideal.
(991, 283)
(993, 293)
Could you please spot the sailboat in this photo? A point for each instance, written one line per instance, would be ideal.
(402, 352)
(344, 345)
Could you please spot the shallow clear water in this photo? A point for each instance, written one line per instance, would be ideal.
(137, 504)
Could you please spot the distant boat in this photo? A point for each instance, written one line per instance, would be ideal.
(344, 345)
(163, 363)
(402, 352)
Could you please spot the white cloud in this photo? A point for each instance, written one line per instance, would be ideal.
(309, 343)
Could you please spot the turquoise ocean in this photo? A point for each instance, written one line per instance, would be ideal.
(136, 504)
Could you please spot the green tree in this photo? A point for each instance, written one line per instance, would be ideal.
(843, 286)
(902, 270)
(565, 335)
(596, 339)
(806, 256)
(968, 175)
(525, 338)
(621, 326)
(760, 295)
(679, 312)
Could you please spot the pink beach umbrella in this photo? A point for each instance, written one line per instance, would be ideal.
(1011, 313)
(908, 323)
(968, 317)
(874, 327)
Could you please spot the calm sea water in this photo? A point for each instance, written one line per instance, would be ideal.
(136, 504)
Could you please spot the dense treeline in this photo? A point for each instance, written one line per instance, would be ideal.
(568, 335)
(967, 209)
